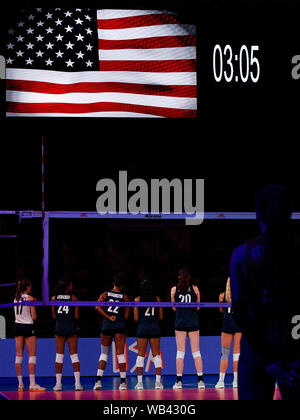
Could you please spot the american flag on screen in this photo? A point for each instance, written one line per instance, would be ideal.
(101, 63)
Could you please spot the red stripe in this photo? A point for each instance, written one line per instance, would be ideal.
(143, 89)
(98, 107)
(144, 43)
(137, 21)
(149, 66)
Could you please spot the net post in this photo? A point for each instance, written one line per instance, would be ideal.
(45, 254)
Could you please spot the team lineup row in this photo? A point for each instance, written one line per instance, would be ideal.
(114, 327)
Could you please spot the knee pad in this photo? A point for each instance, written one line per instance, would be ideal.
(74, 358)
(104, 353)
(121, 358)
(225, 353)
(236, 357)
(32, 360)
(196, 354)
(19, 359)
(157, 361)
(140, 360)
(59, 358)
(180, 355)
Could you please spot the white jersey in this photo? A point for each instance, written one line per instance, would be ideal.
(23, 313)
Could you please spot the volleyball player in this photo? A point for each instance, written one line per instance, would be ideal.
(265, 279)
(186, 324)
(114, 326)
(148, 331)
(66, 330)
(230, 331)
(24, 331)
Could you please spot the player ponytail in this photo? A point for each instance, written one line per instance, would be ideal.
(147, 293)
(184, 280)
(22, 285)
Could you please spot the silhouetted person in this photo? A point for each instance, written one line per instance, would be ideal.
(265, 278)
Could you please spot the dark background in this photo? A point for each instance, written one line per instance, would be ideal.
(245, 136)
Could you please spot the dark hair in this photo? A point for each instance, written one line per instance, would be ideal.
(184, 282)
(21, 287)
(273, 209)
(62, 286)
(119, 279)
(147, 293)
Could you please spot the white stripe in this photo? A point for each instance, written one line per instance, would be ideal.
(90, 98)
(146, 32)
(116, 114)
(180, 78)
(122, 13)
(180, 53)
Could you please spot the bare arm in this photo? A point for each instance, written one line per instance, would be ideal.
(32, 308)
(221, 298)
(53, 310)
(173, 291)
(127, 308)
(136, 310)
(101, 311)
(160, 309)
(198, 295)
(76, 309)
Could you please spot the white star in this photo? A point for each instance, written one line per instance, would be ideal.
(89, 47)
(10, 46)
(49, 46)
(87, 17)
(29, 30)
(29, 61)
(78, 21)
(20, 53)
(79, 37)
(69, 63)
(79, 54)
(68, 28)
(89, 63)
(89, 32)
(29, 46)
(38, 10)
(69, 46)
(68, 14)
(59, 37)
(39, 53)
(11, 31)
(40, 23)
(20, 38)
(49, 15)
(59, 54)
(9, 61)
(20, 24)
(58, 22)
(49, 30)
(49, 62)
(39, 38)
(31, 17)
(78, 10)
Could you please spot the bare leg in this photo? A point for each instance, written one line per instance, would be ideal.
(236, 355)
(155, 349)
(226, 340)
(19, 358)
(73, 349)
(180, 342)
(120, 340)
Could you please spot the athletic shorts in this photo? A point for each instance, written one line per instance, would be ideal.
(148, 336)
(112, 333)
(187, 329)
(24, 330)
(229, 325)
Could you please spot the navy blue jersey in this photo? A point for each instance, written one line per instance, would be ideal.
(148, 322)
(117, 311)
(65, 320)
(186, 318)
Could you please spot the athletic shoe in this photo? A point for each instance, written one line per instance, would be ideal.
(139, 385)
(57, 387)
(158, 385)
(201, 385)
(122, 386)
(177, 385)
(21, 388)
(98, 386)
(78, 387)
(234, 384)
(220, 384)
(37, 388)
